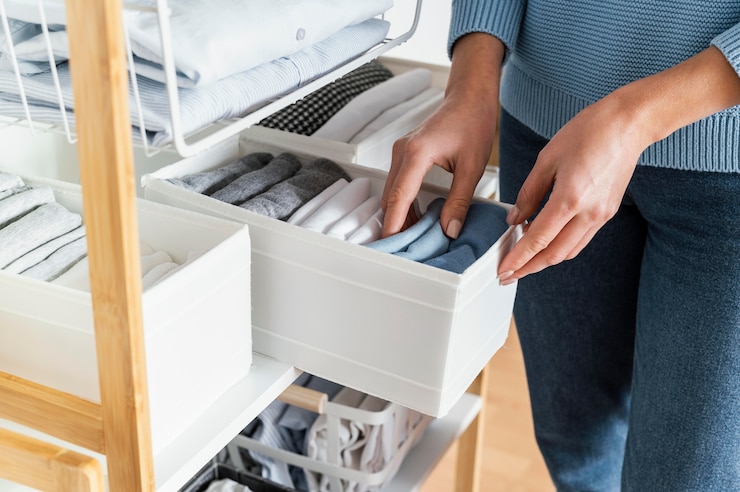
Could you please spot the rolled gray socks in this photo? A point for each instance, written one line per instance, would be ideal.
(252, 184)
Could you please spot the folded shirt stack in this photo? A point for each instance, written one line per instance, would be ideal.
(289, 44)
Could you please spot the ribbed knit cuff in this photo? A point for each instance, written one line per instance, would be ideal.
(500, 18)
(729, 44)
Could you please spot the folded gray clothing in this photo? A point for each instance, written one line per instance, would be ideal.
(280, 201)
(12, 191)
(59, 261)
(47, 222)
(39, 254)
(208, 182)
(230, 97)
(8, 181)
(252, 184)
(19, 204)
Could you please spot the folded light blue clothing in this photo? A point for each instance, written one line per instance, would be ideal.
(230, 97)
(484, 225)
(208, 182)
(402, 240)
(432, 243)
(258, 181)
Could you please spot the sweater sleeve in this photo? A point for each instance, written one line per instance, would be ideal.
(729, 44)
(501, 18)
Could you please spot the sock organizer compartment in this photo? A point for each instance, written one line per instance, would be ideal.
(403, 331)
(383, 436)
(197, 321)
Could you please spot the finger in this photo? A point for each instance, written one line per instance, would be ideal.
(576, 234)
(533, 191)
(401, 191)
(548, 224)
(455, 209)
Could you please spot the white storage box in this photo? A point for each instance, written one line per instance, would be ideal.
(197, 324)
(394, 328)
(375, 151)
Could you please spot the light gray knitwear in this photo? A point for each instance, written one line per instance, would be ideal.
(59, 261)
(37, 255)
(252, 184)
(12, 191)
(8, 181)
(47, 222)
(19, 204)
(208, 182)
(280, 201)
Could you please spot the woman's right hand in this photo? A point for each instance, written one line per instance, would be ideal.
(458, 137)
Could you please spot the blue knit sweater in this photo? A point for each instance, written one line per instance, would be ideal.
(565, 54)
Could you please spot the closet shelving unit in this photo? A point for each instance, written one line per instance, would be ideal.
(57, 441)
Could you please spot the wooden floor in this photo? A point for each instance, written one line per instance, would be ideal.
(511, 461)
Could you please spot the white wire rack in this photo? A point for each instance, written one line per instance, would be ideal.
(183, 144)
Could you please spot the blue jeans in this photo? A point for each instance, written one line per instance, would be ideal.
(632, 349)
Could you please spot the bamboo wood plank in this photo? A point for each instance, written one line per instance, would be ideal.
(97, 62)
(43, 408)
(470, 443)
(47, 467)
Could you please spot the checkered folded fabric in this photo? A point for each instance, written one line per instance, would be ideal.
(310, 113)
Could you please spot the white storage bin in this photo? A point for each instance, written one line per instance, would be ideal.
(197, 321)
(394, 328)
(392, 429)
(375, 151)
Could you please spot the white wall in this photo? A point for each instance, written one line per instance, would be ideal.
(429, 42)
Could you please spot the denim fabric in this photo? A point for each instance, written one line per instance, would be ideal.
(632, 349)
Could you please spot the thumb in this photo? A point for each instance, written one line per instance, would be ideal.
(531, 194)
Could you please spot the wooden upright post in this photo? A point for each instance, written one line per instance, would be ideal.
(99, 75)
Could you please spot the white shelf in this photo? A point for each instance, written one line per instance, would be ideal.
(183, 458)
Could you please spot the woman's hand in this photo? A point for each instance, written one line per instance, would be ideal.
(589, 162)
(458, 137)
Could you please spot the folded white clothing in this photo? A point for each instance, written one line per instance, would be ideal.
(432, 94)
(43, 224)
(364, 108)
(369, 231)
(313, 204)
(227, 485)
(19, 204)
(157, 273)
(213, 40)
(9, 181)
(339, 205)
(228, 98)
(151, 260)
(39, 254)
(347, 225)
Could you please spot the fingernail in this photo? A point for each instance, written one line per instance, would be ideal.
(453, 228)
(505, 275)
(506, 282)
(513, 215)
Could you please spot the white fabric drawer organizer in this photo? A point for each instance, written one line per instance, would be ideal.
(400, 330)
(196, 322)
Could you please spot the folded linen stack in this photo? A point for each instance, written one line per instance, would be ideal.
(288, 44)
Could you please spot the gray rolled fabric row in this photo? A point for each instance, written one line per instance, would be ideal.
(252, 184)
(209, 182)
